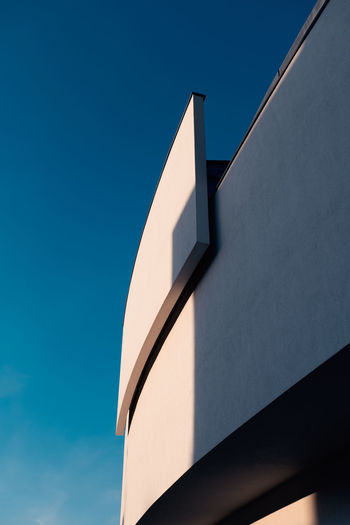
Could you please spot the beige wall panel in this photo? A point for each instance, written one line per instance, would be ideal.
(174, 239)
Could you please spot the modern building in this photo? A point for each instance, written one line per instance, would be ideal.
(235, 372)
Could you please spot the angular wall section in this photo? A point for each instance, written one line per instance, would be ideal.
(174, 239)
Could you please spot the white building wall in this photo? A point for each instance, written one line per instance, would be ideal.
(274, 303)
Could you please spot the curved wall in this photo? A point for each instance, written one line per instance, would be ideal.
(174, 239)
(274, 303)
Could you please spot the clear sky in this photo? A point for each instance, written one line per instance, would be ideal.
(91, 93)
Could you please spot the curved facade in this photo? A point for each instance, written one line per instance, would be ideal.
(234, 365)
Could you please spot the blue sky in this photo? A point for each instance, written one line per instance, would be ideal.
(90, 96)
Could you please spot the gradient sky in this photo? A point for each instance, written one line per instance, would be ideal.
(91, 93)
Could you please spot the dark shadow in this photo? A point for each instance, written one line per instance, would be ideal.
(332, 502)
(180, 250)
(215, 172)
